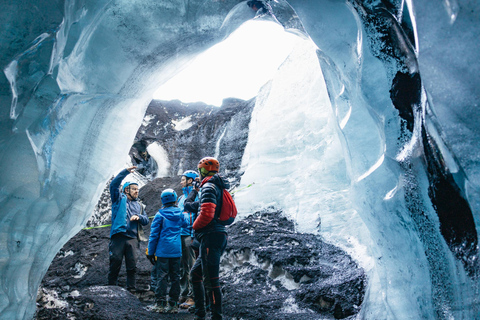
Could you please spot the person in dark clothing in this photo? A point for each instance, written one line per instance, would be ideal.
(192, 204)
(212, 237)
(165, 251)
(188, 255)
(128, 216)
(256, 5)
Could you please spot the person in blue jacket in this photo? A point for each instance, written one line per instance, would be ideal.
(165, 251)
(188, 256)
(128, 215)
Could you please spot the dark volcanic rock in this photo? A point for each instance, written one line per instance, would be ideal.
(281, 272)
(208, 130)
(150, 193)
(268, 272)
(78, 275)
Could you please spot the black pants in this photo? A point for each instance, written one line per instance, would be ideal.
(206, 270)
(121, 245)
(188, 259)
(167, 267)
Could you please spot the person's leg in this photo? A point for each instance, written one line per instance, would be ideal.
(184, 272)
(174, 271)
(161, 273)
(174, 274)
(198, 290)
(153, 279)
(213, 246)
(131, 247)
(190, 260)
(161, 268)
(116, 249)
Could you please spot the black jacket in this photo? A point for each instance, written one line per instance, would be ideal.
(211, 194)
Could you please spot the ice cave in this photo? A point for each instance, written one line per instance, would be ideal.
(366, 135)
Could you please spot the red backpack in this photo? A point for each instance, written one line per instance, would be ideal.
(228, 211)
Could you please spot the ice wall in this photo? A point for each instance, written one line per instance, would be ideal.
(424, 248)
(78, 76)
(72, 101)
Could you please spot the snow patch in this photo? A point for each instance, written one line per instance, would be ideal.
(63, 254)
(74, 294)
(147, 119)
(160, 155)
(50, 299)
(80, 270)
(217, 146)
(182, 124)
(290, 306)
(245, 259)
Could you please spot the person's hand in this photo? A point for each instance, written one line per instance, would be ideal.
(131, 169)
(151, 258)
(134, 218)
(196, 184)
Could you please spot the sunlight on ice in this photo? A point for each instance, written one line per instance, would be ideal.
(236, 67)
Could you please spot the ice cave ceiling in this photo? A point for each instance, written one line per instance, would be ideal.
(400, 78)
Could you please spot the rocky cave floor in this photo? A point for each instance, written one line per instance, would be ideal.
(268, 272)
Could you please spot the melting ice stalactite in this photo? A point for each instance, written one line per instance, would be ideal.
(80, 89)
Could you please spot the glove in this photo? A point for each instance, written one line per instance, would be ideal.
(151, 258)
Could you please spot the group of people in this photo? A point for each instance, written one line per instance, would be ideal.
(186, 240)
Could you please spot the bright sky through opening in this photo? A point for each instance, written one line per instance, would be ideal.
(236, 67)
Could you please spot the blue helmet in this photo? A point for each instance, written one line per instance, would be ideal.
(190, 174)
(129, 183)
(168, 196)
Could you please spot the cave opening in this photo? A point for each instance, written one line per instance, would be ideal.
(234, 68)
(178, 125)
(230, 75)
(76, 103)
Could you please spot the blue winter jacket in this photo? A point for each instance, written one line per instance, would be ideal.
(123, 209)
(165, 240)
(190, 216)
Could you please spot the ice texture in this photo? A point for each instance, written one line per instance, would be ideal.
(375, 147)
(392, 215)
(72, 101)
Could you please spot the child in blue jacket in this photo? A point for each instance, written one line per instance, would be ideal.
(165, 251)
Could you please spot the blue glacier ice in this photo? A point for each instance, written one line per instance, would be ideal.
(366, 135)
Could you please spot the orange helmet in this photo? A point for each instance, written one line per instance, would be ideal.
(209, 164)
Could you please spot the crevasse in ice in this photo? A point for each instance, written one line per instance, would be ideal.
(370, 141)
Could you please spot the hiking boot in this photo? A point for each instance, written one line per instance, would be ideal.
(187, 304)
(182, 300)
(172, 308)
(160, 307)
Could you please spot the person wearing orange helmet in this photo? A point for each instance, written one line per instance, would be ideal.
(212, 237)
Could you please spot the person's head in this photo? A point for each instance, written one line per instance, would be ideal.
(131, 190)
(188, 177)
(255, 5)
(169, 197)
(208, 166)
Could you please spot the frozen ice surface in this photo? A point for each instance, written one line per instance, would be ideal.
(380, 209)
(293, 154)
(73, 99)
(326, 145)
